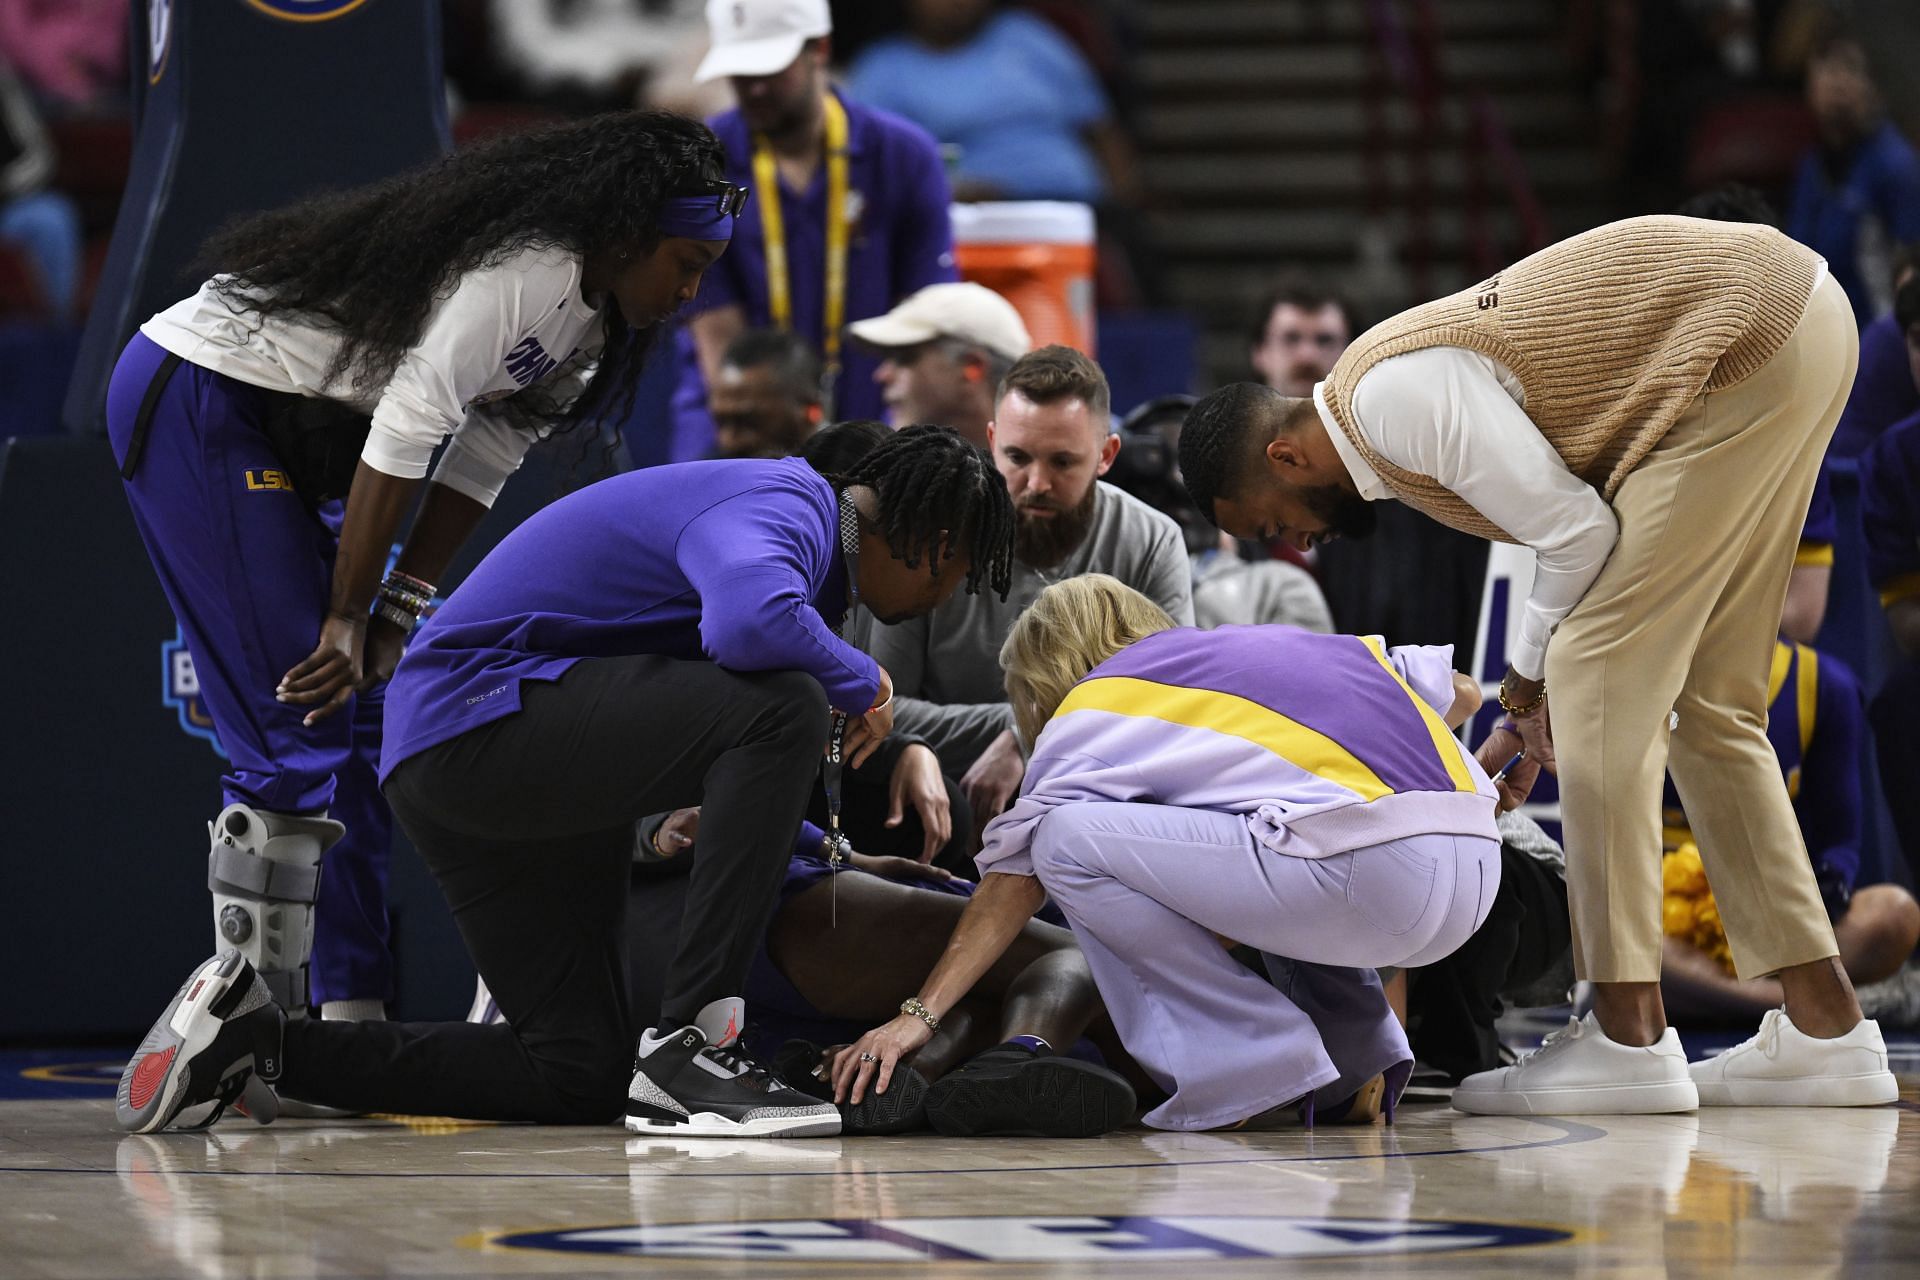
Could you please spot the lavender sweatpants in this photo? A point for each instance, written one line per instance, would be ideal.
(1146, 889)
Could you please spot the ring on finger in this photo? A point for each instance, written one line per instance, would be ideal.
(867, 1057)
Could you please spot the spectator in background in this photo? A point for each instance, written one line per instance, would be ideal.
(766, 397)
(1858, 192)
(42, 224)
(943, 352)
(1052, 440)
(1815, 723)
(1890, 501)
(1011, 93)
(1298, 332)
(781, 272)
(1883, 391)
(70, 53)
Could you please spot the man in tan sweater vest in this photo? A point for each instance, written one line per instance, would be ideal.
(1646, 406)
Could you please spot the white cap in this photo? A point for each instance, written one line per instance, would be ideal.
(971, 312)
(759, 37)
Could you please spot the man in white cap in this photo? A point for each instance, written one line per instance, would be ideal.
(848, 214)
(945, 351)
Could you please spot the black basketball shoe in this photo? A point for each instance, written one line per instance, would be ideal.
(1017, 1091)
(695, 1082)
(901, 1109)
(220, 1029)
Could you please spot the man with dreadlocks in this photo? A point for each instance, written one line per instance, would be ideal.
(273, 429)
(659, 639)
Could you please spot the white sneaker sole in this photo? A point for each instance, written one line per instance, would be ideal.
(1874, 1089)
(1589, 1100)
(143, 1104)
(708, 1124)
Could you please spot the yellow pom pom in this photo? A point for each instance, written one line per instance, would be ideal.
(1676, 918)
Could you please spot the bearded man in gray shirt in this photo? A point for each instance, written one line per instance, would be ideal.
(1052, 439)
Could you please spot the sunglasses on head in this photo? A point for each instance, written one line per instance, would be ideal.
(730, 199)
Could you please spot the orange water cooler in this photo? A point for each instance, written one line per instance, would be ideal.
(1039, 255)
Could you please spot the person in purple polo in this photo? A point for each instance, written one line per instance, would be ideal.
(849, 212)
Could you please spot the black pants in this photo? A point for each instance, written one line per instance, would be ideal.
(527, 824)
(1452, 1005)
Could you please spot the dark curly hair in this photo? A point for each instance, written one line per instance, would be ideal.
(370, 262)
(932, 481)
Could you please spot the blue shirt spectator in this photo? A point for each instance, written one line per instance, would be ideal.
(1013, 95)
(1857, 196)
(1851, 215)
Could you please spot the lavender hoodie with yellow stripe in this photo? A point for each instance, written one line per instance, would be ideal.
(1324, 743)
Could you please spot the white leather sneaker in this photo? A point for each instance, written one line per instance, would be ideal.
(1782, 1066)
(1578, 1071)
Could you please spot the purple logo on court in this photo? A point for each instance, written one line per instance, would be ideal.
(1092, 1239)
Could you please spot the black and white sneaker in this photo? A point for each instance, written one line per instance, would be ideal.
(220, 1029)
(1016, 1091)
(695, 1083)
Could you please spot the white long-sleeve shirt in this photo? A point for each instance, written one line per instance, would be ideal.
(1460, 417)
(498, 331)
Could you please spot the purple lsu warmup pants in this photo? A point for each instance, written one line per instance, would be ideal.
(247, 567)
(1147, 888)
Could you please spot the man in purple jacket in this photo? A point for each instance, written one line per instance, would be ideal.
(849, 212)
(662, 638)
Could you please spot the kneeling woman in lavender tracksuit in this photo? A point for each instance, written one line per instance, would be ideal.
(1299, 793)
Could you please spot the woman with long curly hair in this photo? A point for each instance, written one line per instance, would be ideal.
(273, 429)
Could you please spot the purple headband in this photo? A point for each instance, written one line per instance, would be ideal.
(707, 217)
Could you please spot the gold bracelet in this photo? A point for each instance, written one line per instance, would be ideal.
(1511, 708)
(913, 1006)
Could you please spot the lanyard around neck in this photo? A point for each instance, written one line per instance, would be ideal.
(766, 182)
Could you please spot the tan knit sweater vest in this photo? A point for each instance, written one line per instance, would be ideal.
(1612, 334)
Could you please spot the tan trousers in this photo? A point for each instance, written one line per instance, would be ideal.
(1682, 619)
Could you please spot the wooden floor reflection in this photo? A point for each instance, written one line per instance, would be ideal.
(1789, 1192)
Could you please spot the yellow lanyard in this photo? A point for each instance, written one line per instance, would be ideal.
(766, 183)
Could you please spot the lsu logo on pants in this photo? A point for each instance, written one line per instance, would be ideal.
(180, 691)
(268, 478)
